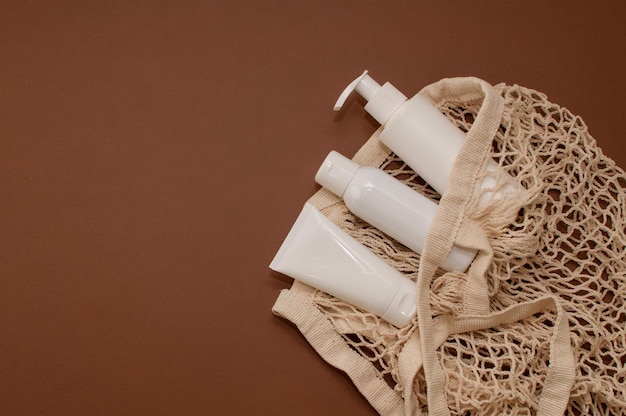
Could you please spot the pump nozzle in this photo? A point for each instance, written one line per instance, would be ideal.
(383, 101)
(364, 85)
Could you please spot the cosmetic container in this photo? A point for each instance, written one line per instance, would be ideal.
(387, 204)
(319, 253)
(422, 136)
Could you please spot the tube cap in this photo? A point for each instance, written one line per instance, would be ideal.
(403, 306)
(336, 172)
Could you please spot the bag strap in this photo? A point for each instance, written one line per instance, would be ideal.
(451, 226)
(296, 306)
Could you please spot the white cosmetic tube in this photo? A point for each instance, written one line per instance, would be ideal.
(319, 253)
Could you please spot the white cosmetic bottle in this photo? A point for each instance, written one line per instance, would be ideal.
(421, 135)
(386, 203)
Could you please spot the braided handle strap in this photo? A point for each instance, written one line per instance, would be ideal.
(452, 226)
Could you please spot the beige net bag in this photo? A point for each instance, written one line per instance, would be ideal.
(537, 325)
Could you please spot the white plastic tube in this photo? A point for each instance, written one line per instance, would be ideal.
(387, 204)
(319, 253)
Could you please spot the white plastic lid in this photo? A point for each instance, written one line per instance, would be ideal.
(383, 101)
(403, 307)
(336, 172)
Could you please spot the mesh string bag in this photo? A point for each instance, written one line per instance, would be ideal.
(537, 324)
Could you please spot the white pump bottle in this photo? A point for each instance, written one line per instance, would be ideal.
(386, 203)
(420, 135)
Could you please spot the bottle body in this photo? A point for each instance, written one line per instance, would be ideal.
(387, 204)
(319, 253)
(425, 140)
(429, 143)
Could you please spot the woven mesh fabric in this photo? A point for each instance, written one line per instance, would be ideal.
(568, 240)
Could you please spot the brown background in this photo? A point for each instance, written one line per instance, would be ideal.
(155, 154)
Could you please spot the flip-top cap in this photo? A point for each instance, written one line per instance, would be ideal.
(336, 172)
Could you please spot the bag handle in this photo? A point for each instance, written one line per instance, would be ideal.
(451, 226)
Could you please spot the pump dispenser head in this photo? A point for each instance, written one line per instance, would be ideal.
(383, 101)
